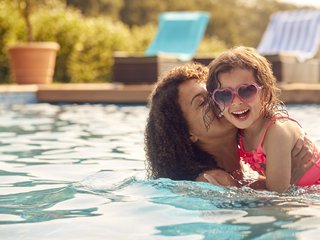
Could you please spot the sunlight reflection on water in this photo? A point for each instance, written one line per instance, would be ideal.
(77, 172)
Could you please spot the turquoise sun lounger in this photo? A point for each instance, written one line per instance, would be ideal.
(179, 34)
(177, 39)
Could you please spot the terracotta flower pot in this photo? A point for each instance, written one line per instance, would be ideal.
(33, 63)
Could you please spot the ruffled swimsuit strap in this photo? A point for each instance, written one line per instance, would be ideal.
(253, 158)
(240, 136)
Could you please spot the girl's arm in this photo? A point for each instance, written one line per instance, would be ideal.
(300, 154)
(278, 145)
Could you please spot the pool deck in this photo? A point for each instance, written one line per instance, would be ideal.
(122, 93)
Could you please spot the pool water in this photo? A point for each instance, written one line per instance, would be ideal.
(77, 172)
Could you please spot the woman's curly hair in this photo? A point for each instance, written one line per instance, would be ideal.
(248, 58)
(169, 150)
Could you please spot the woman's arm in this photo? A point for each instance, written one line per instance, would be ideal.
(259, 184)
(302, 157)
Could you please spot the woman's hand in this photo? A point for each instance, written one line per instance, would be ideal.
(218, 177)
(258, 184)
(302, 157)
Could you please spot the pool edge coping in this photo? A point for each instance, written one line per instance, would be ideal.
(134, 93)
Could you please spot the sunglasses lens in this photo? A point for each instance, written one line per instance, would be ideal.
(247, 92)
(223, 97)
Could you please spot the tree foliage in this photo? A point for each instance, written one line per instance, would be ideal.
(93, 8)
(90, 31)
(234, 22)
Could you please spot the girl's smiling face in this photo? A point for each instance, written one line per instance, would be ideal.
(240, 113)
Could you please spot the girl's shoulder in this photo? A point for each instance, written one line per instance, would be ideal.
(284, 123)
(283, 128)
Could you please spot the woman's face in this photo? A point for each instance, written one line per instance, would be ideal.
(192, 96)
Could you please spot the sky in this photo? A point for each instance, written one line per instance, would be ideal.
(315, 3)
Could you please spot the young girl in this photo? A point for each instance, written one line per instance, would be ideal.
(243, 87)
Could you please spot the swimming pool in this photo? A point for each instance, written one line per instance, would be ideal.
(77, 172)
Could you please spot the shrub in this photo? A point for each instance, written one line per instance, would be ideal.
(86, 44)
(64, 27)
(11, 28)
(141, 37)
(211, 45)
(92, 61)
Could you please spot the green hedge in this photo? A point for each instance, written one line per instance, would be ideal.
(86, 44)
(11, 29)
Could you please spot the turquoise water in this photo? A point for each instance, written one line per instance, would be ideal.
(77, 172)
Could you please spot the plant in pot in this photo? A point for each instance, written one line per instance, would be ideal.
(32, 62)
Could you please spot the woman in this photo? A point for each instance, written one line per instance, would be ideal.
(180, 146)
